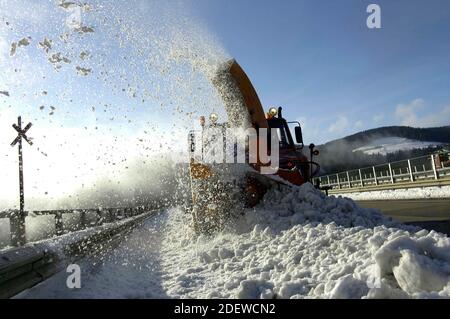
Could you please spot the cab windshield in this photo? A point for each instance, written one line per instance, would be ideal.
(284, 135)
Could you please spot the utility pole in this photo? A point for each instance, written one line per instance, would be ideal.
(17, 219)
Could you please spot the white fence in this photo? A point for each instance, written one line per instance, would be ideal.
(424, 168)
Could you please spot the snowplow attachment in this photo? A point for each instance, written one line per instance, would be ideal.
(215, 195)
(242, 103)
(221, 190)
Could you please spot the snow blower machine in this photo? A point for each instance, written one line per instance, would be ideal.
(228, 176)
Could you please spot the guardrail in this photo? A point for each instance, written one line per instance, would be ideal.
(425, 168)
(24, 267)
(102, 216)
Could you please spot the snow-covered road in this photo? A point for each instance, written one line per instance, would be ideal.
(407, 211)
(296, 245)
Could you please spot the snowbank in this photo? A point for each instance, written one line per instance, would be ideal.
(307, 245)
(394, 194)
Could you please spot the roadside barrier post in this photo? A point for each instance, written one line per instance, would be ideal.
(410, 171)
(375, 175)
(433, 163)
(391, 173)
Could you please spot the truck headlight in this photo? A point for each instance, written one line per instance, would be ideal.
(273, 112)
(214, 118)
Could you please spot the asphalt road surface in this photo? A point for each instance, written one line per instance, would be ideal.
(429, 213)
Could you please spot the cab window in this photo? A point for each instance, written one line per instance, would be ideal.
(280, 128)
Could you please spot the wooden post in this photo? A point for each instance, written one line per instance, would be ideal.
(20, 236)
(328, 179)
(22, 192)
(17, 219)
(110, 215)
(360, 178)
(348, 179)
(83, 222)
(59, 225)
(338, 180)
(17, 229)
(99, 221)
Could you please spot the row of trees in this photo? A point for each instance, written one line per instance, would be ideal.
(435, 134)
(338, 155)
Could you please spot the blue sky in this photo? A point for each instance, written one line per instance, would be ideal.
(317, 59)
(150, 62)
(320, 61)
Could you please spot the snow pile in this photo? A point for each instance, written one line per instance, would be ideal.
(297, 245)
(388, 145)
(306, 245)
(395, 194)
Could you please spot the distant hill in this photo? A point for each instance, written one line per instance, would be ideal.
(381, 145)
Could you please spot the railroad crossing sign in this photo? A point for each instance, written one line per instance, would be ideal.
(18, 220)
(22, 133)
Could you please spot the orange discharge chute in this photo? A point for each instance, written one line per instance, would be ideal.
(241, 100)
